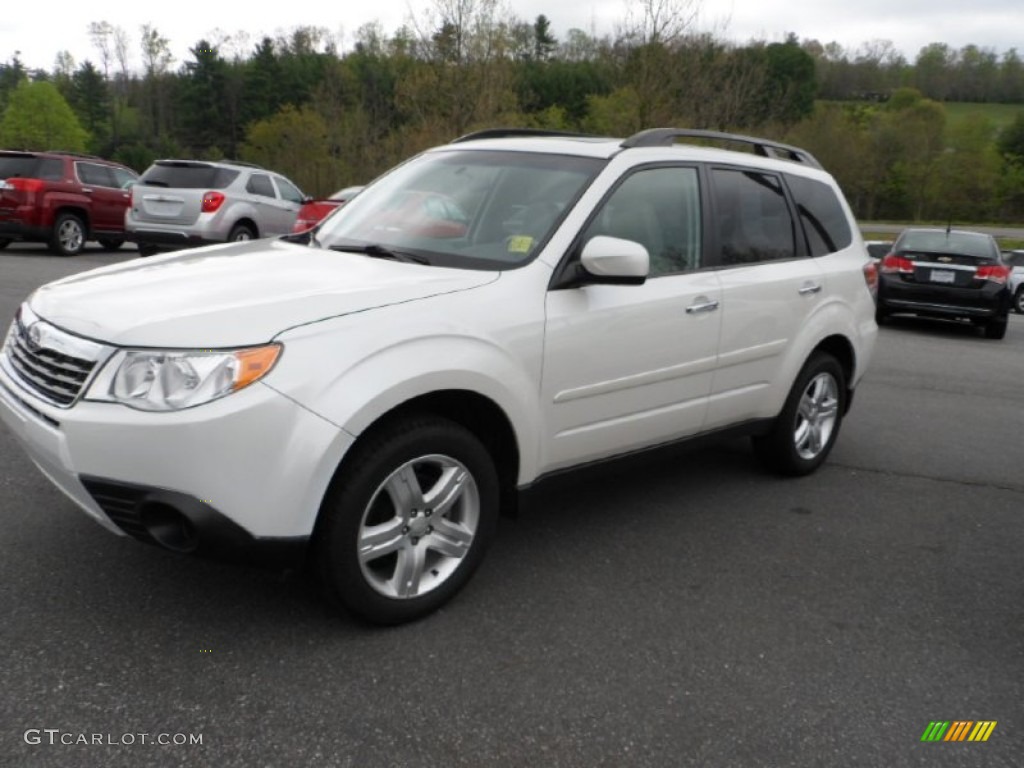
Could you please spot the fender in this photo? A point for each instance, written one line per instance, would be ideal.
(832, 318)
(387, 367)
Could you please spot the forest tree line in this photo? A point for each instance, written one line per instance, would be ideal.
(328, 117)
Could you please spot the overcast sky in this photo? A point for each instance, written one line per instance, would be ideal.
(40, 31)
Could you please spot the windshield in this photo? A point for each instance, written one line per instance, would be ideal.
(479, 209)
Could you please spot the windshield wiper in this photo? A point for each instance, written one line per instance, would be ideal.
(380, 252)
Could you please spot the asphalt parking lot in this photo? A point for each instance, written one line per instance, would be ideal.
(687, 609)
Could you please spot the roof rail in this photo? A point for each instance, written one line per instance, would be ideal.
(241, 163)
(665, 137)
(73, 154)
(510, 133)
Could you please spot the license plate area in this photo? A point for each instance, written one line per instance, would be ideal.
(944, 276)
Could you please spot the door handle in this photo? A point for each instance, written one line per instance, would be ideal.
(809, 288)
(703, 305)
(86, 190)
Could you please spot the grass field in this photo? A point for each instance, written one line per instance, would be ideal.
(1000, 115)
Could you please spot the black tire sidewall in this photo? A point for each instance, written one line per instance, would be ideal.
(240, 228)
(778, 449)
(1018, 301)
(337, 534)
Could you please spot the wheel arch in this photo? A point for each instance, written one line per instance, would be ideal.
(248, 222)
(839, 347)
(76, 210)
(473, 411)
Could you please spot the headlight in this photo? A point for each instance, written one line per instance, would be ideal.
(169, 380)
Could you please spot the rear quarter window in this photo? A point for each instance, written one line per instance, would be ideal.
(184, 176)
(824, 222)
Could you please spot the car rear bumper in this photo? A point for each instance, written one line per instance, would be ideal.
(168, 239)
(988, 301)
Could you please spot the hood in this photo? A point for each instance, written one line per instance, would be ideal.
(235, 295)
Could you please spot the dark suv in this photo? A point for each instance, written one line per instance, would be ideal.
(63, 199)
(946, 274)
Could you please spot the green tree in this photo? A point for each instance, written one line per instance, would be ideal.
(38, 118)
(207, 117)
(90, 98)
(293, 142)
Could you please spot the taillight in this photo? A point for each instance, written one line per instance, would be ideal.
(994, 272)
(25, 185)
(871, 277)
(212, 201)
(893, 264)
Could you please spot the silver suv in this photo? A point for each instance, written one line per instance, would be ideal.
(182, 203)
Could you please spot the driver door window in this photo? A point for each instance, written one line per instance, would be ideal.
(660, 209)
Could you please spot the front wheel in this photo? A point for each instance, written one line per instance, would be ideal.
(807, 428)
(406, 524)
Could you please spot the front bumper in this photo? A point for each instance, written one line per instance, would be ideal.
(245, 474)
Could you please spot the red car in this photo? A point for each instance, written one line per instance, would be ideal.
(63, 199)
(313, 211)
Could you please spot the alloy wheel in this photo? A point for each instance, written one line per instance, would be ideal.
(816, 416)
(418, 526)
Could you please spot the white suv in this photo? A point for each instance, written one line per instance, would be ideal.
(372, 393)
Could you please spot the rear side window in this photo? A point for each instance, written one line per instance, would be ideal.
(260, 184)
(821, 214)
(753, 219)
(187, 176)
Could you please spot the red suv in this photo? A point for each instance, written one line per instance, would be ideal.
(63, 199)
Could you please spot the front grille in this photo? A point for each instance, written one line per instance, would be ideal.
(53, 375)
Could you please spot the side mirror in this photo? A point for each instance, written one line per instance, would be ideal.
(609, 261)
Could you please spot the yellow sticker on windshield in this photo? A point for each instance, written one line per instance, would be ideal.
(520, 244)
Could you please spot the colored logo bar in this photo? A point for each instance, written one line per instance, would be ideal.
(958, 730)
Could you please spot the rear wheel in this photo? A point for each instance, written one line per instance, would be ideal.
(407, 524)
(996, 329)
(68, 237)
(807, 428)
(111, 244)
(1018, 301)
(881, 316)
(148, 250)
(240, 233)
(4, 242)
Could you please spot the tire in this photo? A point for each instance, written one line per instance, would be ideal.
(111, 245)
(384, 493)
(240, 233)
(996, 329)
(1018, 300)
(148, 250)
(805, 431)
(68, 236)
(881, 316)
(4, 242)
